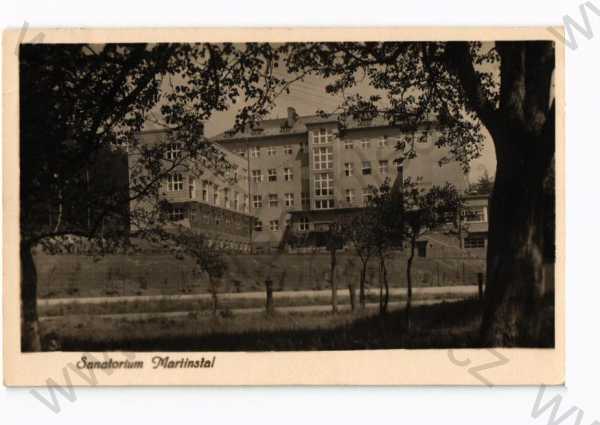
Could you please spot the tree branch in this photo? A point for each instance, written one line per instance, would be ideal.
(459, 62)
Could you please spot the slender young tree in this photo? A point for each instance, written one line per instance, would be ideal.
(385, 212)
(359, 233)
(426, 210)
(335, 242)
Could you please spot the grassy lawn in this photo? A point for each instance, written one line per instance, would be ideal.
(154, 274)
(437, 326)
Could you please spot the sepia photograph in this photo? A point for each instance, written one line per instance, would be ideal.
(286, 196)
(303, 196)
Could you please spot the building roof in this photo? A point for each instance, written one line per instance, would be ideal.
(279, 126)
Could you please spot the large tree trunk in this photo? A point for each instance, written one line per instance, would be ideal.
(30, 335)
(514, 283)
(523, 131)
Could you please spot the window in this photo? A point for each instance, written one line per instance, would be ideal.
(323, 204)
(322, 158)
(303, 147)
(270, 151)
(365, 143)
(173, 151)
(204, 191)
(323, 184)
(273, 201)
(287, 149)
(367, 195)
(383, 167)
(245, 207)
(288, 176)
(226, 199)
(254, 152)
(475, 215)
(272, 172)
(236, 201)
(289, 199)
(348, 169)
(383, 142)
(350, 196)
(258, 226)
(174, 182)
(257, 176)
(305, 200)
(322, 136)
(366, 168)
(422, 248)
(274, 225)
(303, 225)
(475, 242)
(192, 188)
(176, 214)
(257, 201)
(216, 195)
(348, 144)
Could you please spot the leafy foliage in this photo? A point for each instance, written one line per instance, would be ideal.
(484, 185)
(84, 105)
(417, 84)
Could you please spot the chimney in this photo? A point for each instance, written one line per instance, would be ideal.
(291, 116)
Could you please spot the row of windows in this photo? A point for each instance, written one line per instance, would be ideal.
(366, 143)
(319, 137)
(178, 213)
(224, 197)
(366, 169)
(322, 161)
(272, 200)
(302, 225)
(288, 200)
(272, 175)
(274, 225)
(255, 151)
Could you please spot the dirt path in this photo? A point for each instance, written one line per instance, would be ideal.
(455, 291)
(241, 311)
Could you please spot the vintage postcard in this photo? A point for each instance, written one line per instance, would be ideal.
(314, 206)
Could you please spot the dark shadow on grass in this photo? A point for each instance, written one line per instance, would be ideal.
(445, 325)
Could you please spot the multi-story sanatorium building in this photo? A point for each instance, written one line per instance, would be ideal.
(298, 173)
(303, 170)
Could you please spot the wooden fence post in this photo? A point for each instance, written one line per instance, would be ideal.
(269, 288)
